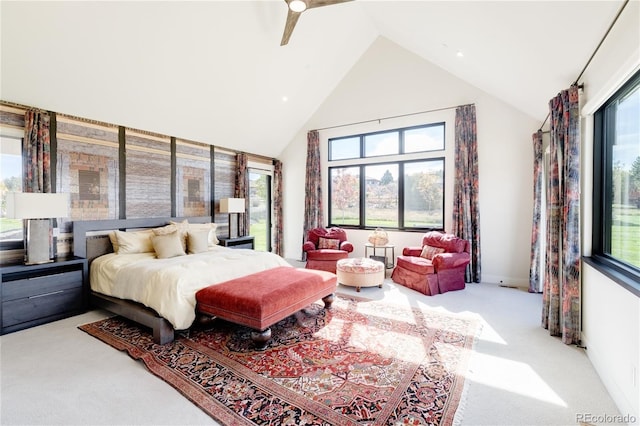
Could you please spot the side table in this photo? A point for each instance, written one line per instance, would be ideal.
(37, 294)
(389, 262)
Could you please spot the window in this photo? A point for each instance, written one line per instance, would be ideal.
(391, 179)
(616, 235)
(10, 181)
(260, 208)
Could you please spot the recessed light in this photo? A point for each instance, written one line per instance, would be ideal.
(285, 99)
(459, 54)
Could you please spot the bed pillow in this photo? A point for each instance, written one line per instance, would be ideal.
(428, 251)
(210, 228)
(183, 228)
(328, 243)
(114, 241)
(164, 230)
(197, 241)
(134, 242)
(167, 245)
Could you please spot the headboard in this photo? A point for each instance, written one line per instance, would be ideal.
(91, 246)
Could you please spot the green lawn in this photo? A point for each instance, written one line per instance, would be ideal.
(259, 232)
(10, 224)
(625, 234)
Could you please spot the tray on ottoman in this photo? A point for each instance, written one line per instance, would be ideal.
(262, 299)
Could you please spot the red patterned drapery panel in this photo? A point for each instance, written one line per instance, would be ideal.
(535, 284)
(36, 156)
(466, 212)
(313, 216)
(277, 208)
(242, 177)
(561, 293)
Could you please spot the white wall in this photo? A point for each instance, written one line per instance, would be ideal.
(390, 81)
(610, 313)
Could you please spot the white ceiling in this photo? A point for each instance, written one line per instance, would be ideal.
(214, 71)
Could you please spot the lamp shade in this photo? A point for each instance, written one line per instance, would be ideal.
(37, 205)
(232, 205)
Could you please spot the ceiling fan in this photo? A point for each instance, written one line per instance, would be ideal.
(296, 7)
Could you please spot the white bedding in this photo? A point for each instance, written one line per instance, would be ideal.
(169, 285)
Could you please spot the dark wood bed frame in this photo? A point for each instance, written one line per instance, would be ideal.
(90, 240)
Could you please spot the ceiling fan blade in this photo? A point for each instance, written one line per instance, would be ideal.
(319, 3)
(292, 19)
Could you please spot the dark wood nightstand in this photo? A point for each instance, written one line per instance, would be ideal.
(238, 242)
(36, 294)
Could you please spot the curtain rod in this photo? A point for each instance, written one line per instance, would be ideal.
(581, 86)
(391, 117)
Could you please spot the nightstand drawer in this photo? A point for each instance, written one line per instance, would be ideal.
(242, 246)
(41, 285)
(41, 305)
(246, 242)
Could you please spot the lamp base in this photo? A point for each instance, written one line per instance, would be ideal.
(38, 242)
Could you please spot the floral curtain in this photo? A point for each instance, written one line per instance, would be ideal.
(242, 180)
(277, 208)
(535, 284)
(466, 212)
(36, 157)
(561, 293)
(313, 216)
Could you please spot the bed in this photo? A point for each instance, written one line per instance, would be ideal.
(158, 293)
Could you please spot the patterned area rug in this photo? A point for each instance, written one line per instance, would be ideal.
(360, 363)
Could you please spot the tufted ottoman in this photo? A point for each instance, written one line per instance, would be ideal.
(360, 272)
(262, 299)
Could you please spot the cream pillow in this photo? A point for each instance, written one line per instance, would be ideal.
(210, 227)
(134, 242)
(167, 245)
(164, 230)
(183, 228)
(197, 241)
(428, 251)
(114, 241)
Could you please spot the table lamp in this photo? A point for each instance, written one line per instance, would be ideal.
(231, 206)
(37, 208)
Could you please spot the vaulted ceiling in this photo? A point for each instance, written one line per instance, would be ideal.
(214, 71)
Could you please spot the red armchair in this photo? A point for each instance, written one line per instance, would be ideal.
(436, 267)
(324, 247)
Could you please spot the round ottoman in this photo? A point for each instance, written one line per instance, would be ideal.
(360, 272)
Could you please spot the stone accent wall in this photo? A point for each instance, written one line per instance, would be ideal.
(193, 178)
(88, 169)
(225, 186)
(148, 182)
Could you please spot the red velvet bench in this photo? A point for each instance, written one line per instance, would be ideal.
(262, 299)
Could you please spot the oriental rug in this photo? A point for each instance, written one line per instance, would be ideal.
(361, 362)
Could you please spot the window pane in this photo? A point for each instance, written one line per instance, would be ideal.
(382, 144)
(625, 155)
(381, 199)
(259, 214)
(345, 148)
(10, 180)
(429, 138)
(424, 194)
(345, 196)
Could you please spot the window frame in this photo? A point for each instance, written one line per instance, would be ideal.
(603, 139)
(400, 160)
(6, 245)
